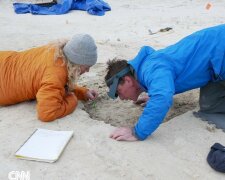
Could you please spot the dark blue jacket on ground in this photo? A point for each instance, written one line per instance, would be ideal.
(190, 63)
(94, 7)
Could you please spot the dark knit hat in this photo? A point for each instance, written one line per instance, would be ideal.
(81, 49)
(216, 157)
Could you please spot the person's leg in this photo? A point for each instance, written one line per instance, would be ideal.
(212, 98)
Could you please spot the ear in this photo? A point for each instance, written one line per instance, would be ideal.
(129, 80)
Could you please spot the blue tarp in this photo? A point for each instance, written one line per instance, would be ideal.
(94, 7)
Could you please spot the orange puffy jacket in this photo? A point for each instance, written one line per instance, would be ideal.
(34, 74)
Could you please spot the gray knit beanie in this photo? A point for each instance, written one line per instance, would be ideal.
(81, 49)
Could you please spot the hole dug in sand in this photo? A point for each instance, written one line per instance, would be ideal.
(125, 113)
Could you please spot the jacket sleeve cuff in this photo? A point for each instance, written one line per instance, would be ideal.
(137, 135)
(81, 93)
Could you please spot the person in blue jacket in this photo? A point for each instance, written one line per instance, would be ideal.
(197, 60)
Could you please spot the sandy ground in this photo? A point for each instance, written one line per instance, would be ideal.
(177, 150)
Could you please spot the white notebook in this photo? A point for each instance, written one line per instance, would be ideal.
(44, 145)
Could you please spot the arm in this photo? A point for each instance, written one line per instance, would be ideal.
(161, 90)
(81, 92)
(52, 100)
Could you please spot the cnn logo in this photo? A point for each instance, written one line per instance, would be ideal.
(19, 175)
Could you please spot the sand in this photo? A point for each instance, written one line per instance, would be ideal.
(179, 147)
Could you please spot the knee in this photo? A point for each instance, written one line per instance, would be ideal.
(205, 102)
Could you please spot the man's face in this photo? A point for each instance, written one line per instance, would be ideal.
(128, 90)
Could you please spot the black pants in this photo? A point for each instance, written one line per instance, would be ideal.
(212, 97)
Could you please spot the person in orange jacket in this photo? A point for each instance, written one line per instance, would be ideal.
(48, 74)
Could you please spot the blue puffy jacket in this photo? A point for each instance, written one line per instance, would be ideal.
(188, 64)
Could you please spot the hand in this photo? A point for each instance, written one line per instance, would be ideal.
(91, 95)
(142, 101)
(123, 134)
